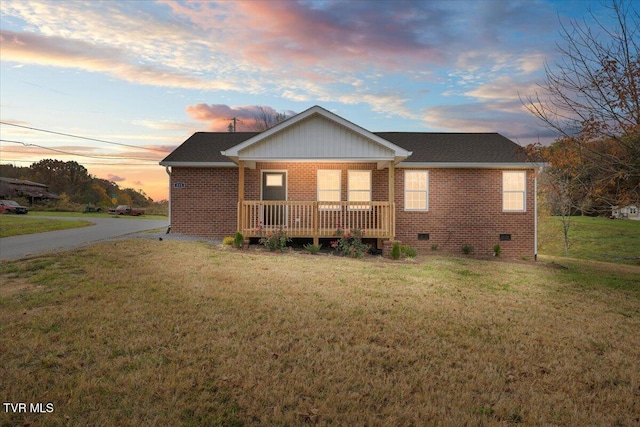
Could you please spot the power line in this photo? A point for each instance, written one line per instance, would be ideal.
(154, 164)
(27, 144)
(83, 137)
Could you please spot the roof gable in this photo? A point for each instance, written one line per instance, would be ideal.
(316, 134)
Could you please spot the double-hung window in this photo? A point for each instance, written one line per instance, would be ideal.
(329, 188)
(359, 188)
(514, 191)
(416, 190)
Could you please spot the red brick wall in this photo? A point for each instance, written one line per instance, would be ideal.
(302, 179)
(465, 205)
(208, 205)
(465, 208)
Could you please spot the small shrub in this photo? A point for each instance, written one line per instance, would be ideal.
(434, 247)
(312, 249)
(408, 252)
(350, 244)
(395, 251)
(275, 241)
(466, 249)
(238, 241)
(497, 250)
(228, 241)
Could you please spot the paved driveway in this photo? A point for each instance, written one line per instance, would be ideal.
(103, 228)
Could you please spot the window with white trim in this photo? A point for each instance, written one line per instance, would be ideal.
(416, 190)
(359, 188)
(514, 191)
(329, 188)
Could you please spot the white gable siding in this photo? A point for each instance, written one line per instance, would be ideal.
(316, 138)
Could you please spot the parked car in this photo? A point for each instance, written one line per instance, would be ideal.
(91, 208)
(9, 206)
(126, 210)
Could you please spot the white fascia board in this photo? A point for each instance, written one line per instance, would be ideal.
(466, 165)
(319, 160)
(200, 164)
(235, 151)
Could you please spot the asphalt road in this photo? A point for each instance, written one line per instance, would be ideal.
(104, 228)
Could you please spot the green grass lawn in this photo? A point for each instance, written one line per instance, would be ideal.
(15, 225)
(147, 332)
(598, 239)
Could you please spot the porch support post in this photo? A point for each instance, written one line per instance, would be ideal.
(240, 194)
(392, 173)
(316, 237)
(392, 198)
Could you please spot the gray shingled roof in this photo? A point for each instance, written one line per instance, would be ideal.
(457, 147)
(205, 147)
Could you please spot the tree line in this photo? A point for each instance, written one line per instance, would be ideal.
(591, 98)
(73, 183)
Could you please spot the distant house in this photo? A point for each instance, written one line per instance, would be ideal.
(626, 212)
(316, 173)
(11, 188)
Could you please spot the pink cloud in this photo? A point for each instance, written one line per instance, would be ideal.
(220, 116)
(342, 33)
(354, 35)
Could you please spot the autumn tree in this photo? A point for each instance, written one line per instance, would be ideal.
(98, 196)
(63, 177)
(74, 184)
(563, 182)
(591, 97)
(135, 197)
(109, 187)
(18, 172)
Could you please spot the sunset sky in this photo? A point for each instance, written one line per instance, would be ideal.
(139, 77)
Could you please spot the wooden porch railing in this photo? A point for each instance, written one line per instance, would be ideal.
(316, 219)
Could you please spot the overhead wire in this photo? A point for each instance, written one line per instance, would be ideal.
(28, 144)
(88, 163)
(83, 137)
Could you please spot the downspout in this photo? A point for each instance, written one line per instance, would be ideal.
(166, 168)
(535, 216)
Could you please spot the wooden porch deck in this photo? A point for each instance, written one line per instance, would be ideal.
(316, 219)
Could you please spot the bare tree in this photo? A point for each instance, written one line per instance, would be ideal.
(591, 97)
(266, 118)
(563, 193)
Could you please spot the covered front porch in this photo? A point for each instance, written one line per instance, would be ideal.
(318, 175)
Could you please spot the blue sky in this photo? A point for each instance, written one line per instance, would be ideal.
(148, 74)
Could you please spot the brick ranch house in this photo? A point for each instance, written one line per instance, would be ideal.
(317, 172)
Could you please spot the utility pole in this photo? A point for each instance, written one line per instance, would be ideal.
(232, 125)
